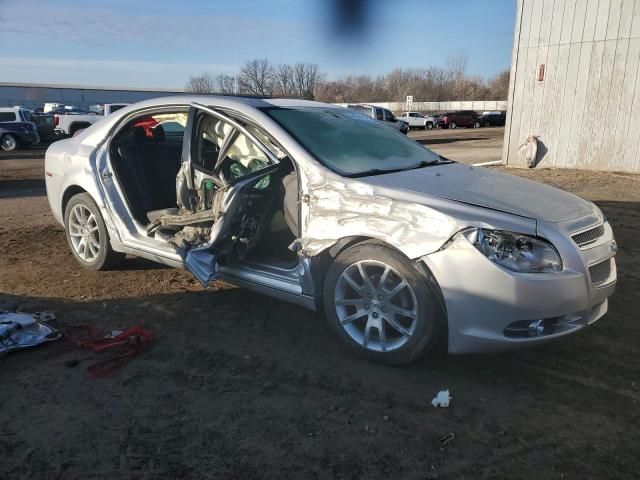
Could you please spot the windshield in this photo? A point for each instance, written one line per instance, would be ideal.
(349, 143)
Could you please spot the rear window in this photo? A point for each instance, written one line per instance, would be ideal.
(8, 117)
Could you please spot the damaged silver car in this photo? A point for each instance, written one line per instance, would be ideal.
(321, 206)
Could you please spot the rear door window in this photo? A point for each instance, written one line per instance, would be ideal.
(7, 117)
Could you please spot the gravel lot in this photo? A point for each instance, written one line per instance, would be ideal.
(238, 385)
(468, 145)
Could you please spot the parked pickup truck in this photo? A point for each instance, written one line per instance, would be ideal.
(383, 115)
(68, 123)
(418, 120)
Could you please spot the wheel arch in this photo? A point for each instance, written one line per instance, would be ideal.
(70, 192)
(326, 258)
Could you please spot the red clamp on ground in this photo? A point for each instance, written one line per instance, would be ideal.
(126, 345)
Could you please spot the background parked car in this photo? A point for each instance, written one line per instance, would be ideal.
(68, 122)
(16, 134)
(44, 125)
(463, 118)
(493, 119)
(383, 115)
(15, 114)
(418, 120)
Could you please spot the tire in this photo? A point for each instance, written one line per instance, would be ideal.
(352, 312)
(452, 125)
(87, 234)
(428, 126)
(8, 143)
(476, 124)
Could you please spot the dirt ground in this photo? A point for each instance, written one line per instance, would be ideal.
(238, 385)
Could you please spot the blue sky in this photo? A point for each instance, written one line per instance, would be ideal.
(160, 43)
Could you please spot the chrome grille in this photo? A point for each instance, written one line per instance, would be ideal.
(600, 272)
(588, 236)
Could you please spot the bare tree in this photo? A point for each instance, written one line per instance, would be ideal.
(499, 86)
(225, 84)
(283, 81)
(457, 64)
(256, 77)
(200, 84)
(306, 77)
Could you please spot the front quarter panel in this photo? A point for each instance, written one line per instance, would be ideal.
(416, 225)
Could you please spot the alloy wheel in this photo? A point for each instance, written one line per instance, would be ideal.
(84, 233)
(8, 143)
(376, 306)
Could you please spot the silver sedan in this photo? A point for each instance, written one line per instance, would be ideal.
(317, 205)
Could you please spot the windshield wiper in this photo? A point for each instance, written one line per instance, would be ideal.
(430, 163)
(375, 171)
(424, 163)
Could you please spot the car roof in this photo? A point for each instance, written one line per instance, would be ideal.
(229, 100)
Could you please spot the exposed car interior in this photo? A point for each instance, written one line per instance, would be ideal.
(146, 156)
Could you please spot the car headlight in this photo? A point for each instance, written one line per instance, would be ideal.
(515, 251)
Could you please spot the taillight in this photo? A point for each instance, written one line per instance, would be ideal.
(445, 119)
(56, 120)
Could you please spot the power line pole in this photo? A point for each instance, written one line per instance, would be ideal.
(235, 72)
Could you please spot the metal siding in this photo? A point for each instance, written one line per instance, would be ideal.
(35, 96)
(587, 110)
(553, 91)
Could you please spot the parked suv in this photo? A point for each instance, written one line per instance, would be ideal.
(418, 120)
(463, 118)
(16, 128)
(493, 119)
(383, 115)
(16, 134)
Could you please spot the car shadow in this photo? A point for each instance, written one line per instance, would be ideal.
(31, 187)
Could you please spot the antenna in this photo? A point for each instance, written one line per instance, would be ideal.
(235, 72)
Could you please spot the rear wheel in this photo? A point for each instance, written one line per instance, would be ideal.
(428, 125)
(452, 125)
(8, 143)
(380, 306)
(87, 234)
(476, 124)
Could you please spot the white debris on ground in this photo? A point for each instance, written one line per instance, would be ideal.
(442, 399)
(23, 330)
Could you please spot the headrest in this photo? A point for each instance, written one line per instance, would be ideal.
(157, 134)
(140, 135)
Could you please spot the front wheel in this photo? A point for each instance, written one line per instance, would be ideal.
(8, 143)
(87, 234)
(428, 126)
(380, 306)
(476, 124)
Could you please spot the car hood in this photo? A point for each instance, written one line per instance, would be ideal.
(487, 188)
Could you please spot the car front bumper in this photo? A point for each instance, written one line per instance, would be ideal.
(491, 309)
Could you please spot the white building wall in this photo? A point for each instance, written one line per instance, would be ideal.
(477, 105)
(586, 111)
